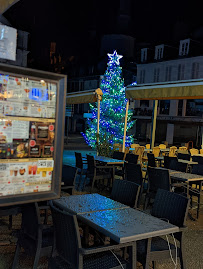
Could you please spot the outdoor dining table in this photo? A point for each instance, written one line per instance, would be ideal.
(185, 177)
(81, 204)
(115, 220)
(108, 161)
(186, 161)
(159, 159)
(200, 155)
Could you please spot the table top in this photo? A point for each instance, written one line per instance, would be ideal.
(146, 150)
(81, 204)
(185, 176)
(186, 161)
(165, 150)
(160, 158)
(127, 225)
(200, 155)
(108, 160)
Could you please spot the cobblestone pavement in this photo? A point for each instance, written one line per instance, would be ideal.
(193, 240)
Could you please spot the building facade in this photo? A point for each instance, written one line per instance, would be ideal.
(75, 121)
(178, 121)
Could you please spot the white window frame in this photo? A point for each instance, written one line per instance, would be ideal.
(181, 72)
(156, 74)
(142, 76)
(184, 47)
(168, 73)
(143, 55)
(195, 70)
(159, 52)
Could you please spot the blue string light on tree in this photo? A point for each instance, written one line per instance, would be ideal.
(112, 107)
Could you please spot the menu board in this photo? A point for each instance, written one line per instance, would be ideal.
(27, 129)
(24, 97)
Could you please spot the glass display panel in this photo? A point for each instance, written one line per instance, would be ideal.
(27, 129)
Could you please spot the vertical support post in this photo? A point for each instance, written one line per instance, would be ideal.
(125, 125)
(98, 115)
(202, 137)
(154, 116)
(67, 130)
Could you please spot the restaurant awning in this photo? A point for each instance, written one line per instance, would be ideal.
(6, 4)
(167, 91)
(86, 97)
(82, 97)
(190, 89)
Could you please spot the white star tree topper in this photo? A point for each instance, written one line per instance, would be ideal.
(114, 58)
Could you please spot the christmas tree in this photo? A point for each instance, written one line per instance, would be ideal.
(112, 108)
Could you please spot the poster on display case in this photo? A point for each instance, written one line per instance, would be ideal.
(28, 109)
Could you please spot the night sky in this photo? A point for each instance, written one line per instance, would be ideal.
(70, 23)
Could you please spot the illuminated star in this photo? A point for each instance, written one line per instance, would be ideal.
(114, 58)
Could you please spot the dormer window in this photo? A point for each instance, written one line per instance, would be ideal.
(184, 47)
(159, 52)
(144, 55)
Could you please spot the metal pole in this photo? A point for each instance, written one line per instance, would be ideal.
(125, 125)
(153, 129)
(202, 137)
(98, 115)
(67, 130)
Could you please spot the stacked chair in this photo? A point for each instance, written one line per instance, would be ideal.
(183, 150)
(139, 151)
(156, 151)
(194, 151)
(172, 151)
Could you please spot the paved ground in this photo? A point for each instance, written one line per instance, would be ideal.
(193, 240)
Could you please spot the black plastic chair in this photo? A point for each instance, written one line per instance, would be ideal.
(198, 159)
(131, 158)
(184, 156)
(118, 155)
(125, 192)
(151, 160)
(80, 162)
(35, 238)
(68, 252)
(98, 173)
(167, 161)
(173, 208)
(178, 166)
(69, 175)
(198, 170)
(158, 178)
(133, 173)
(10, 211)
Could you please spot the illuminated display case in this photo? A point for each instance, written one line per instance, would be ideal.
(32, 109)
